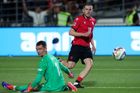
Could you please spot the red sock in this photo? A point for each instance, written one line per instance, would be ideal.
(79, 79)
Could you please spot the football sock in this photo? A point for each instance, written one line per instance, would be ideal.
(79, 79)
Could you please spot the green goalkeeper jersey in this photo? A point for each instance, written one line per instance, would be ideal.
(51, 69)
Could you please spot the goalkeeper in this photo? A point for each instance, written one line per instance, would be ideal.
(49, 68)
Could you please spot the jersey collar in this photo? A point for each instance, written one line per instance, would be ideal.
(86, 17)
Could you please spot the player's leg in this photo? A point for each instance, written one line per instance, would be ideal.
(30, 89)
(13, 87)
(88, 65)
(70, 64)
(21, 88)
(72, 58)
(8, 86)
(87, 60)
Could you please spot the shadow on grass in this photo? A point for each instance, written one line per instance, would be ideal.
(89, 83)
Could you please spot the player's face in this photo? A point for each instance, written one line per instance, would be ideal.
(41, 50)
(87, 11)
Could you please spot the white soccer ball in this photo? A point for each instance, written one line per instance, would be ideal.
(119, 53)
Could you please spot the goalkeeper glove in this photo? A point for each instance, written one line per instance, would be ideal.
(71, 75)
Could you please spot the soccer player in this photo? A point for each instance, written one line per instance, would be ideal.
(82, 30)
(49, 68)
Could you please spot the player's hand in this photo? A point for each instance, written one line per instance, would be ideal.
(71, 75)
(93, 49)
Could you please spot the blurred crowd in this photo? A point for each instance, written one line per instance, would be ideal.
(51, 12)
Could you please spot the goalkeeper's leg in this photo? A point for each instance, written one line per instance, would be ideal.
(13, 87)
(21, 88)
(31, 89)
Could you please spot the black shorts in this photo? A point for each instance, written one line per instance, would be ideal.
(79, 52)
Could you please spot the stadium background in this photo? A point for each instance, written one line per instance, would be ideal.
(18, 60)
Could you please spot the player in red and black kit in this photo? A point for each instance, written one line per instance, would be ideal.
(82, 30)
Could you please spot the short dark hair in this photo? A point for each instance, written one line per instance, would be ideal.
(87, 4)
(43, 43)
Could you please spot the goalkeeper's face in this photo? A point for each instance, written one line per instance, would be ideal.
(41, 50)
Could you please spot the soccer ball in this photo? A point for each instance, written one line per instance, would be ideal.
(119, 53)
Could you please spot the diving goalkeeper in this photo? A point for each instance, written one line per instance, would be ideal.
(49, 68)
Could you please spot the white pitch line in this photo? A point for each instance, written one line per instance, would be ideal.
(73, 69)
(111, 69)
(116, 87)
(116, 69)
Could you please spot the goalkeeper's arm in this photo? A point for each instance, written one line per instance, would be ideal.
(41, 71)
(66, 70)
(37, 79)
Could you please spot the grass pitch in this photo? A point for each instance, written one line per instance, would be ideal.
(107, 75)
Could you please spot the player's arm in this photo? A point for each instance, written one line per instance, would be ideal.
(76, 25)
(72, 32)
(41, 71)
(24, 7)
(37, 79)
(66, 70)
(35, 83)
(93, 46)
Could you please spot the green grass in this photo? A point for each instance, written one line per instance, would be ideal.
(107, 75)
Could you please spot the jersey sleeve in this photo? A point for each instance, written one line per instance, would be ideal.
(64, 68)
(44, 13)
(76, 23)
(41, 70)
(31, 13)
